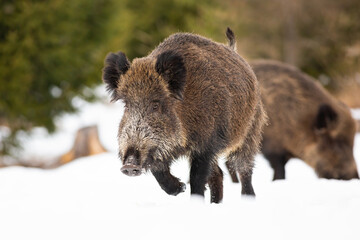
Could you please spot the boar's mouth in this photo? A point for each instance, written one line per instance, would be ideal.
(156, 160)
(149, 162)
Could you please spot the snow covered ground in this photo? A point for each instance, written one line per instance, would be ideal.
(90, 199)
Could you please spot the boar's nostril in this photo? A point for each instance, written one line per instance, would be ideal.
(131, 170)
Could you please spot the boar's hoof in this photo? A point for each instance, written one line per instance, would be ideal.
(183, 187)
(131, 170)
(175, 191)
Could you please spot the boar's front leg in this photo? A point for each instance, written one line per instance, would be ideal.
(170, 184)
(277, 162)
(200, 171)
(277, 157)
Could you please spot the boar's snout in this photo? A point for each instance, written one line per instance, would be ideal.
(130, 167)
(131, 170)
(339, 174)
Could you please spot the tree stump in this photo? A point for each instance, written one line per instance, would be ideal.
(86, 143)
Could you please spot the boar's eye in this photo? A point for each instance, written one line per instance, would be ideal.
(155, 106)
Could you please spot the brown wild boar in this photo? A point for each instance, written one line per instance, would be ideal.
(189, 97)
(305, 122)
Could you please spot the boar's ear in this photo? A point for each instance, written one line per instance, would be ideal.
(115, 65)
(326, 118)
(170, 66)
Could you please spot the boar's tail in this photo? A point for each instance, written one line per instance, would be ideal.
(231, 38)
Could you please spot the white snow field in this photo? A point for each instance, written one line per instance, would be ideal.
(91, 199)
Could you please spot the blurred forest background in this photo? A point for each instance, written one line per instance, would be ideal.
(52, 51)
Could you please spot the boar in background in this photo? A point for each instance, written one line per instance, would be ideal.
(305, 122)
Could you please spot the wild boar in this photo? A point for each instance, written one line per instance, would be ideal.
(189, 97)
(306, 122)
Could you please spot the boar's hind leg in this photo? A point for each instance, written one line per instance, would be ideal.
(244, 165)
(170, 184)
(216, 184)
(232, 170)
(243, 157)
(200, 171)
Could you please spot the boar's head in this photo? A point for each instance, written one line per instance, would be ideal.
(332, 152)
(150, 131)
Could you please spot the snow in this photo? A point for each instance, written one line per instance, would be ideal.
(90, 199)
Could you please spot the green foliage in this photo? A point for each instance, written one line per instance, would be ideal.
(47, 55)
(327, 38)
(143, 24)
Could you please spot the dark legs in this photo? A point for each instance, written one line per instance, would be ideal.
(244, 165)
(247, 188)
(242, 159)
(277, 156)
(216, 184)
(199, 172)
(279, 171)
(204, 169)
(170, 184)
(277, 162)
(245, 179)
